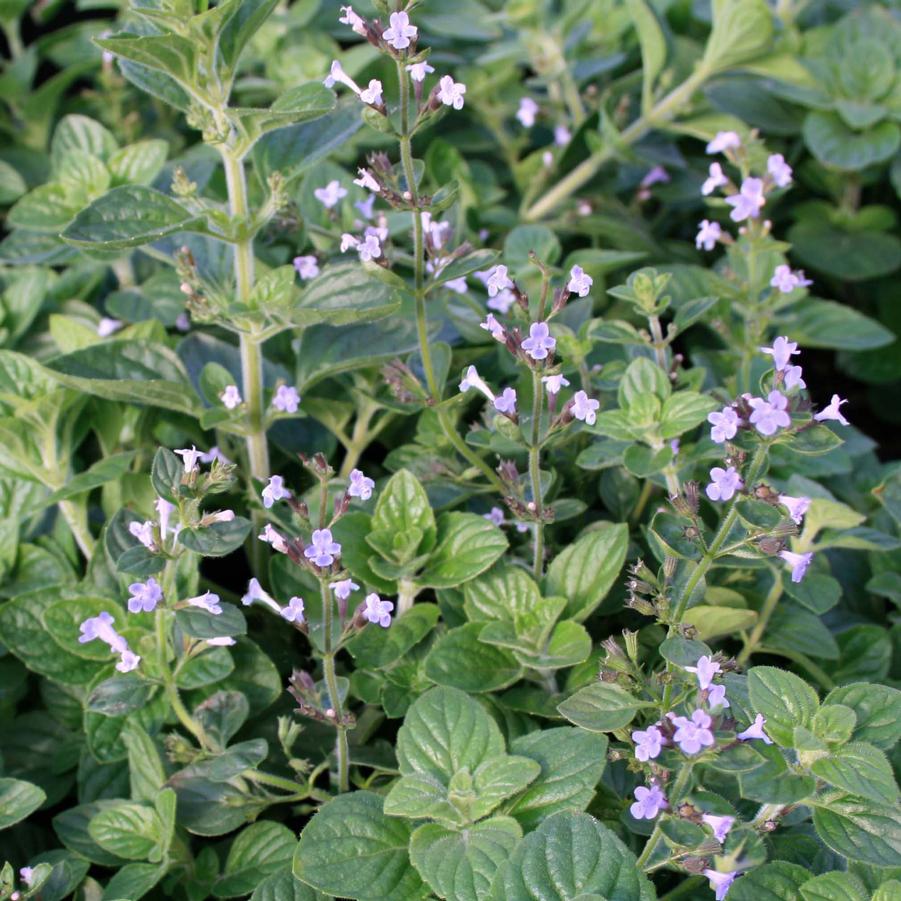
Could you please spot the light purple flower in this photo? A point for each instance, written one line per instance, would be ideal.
(365, 207)
(719, 824)
(769, 415)
(725, 424)
(755, 731)
(654, 176)
(724, 483)
(343, 588)
(494, 328)
(337, 75)
(144, 596)
(693, 734)
(26, 874)
(553, 383)
(716, 178)
(648, 743)
(716, 697)
(349, 242)
(418, 71)
(352, 19)
(293, 613)
(562, 135)
(306, 267)
(724, 140)
(372, 94)
(400, 32)
(799, 563)
(832, 411)
(330, 196)
(323, 549)
(708, 234)
(786, 281)
(189, 456)
(585, 408)
(720, 883)
(502, 302)
(506, 402)
(218, 516)
(674, 446)
(360, 485)
(705, 669)
(183, 322)
(100, 628)
(648, 802)
(378, 611)
(797, 506)
(528, 110)
(779, 170)
(107, 326)
(369, 248)
(472, 379)
(497, 281)
(143, 531)
(367, 181)
(579, 281)
(256, 592)
(748, 202)
(782, 351)
(274, 491)
(540, 341)
(231, 397)
(792, 378)
(221, 641)
(286, 399)
(451, 92)
(206, 601)
(273, 537)
(457, 285)
(495, 516)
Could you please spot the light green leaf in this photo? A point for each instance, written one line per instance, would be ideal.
(683, 411)
(343, 294)
(653, 42)
(379, 648)
(878, 711)
(258, 851)
(643, 377)
(170, 54)
(742, 30)
(833, 143)
(601, 707)
(128, 830)
(824, 323)
(784, 699)
(859, 829)
(776, 881)
(859, 769)
(459, 660)
(138, 164)
(18, 799)
(218, 539)
(467, 545)
(835, 886)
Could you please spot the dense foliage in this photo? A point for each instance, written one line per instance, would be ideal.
(427, 471)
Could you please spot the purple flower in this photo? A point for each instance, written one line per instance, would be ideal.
(725, 424)
(100, 628)
(720, 883)
(494, 328)
(755, 731)
(724, 483)
(562, 135)
(506, 402)
(372, 94)
(206, 601)
(708, 234)
(274, 538)
(369, 248)
(724, 140)
(472, 379)
(400, 32)
(343, 588)
(144, 596)
(705, 670)
(748, 202)
(779, 170)
(418, 71)
(528, 110)
(349, 242)
(256, 592)
(231, 397)
(648, 743)
(769, 415)
(797, 506)
(451, 92)
(585, 408)
(274, 491)
(352, 19)
(782, 351)
(364, 207)
(540, 342)
(306, 267)
(360, 485)
(330, 196)
(214, 454)
(798, 563)
(579, 281)
(189, 456)
(183, 322)
(338, 75)
(502, 302)
(648, 802)
(786, 281)
(323, 549)
(26, 874)
(693, 734)
(792, 378)
(716, 179)
(286, 399)
(107, 326)
(716, 697)
(143, 531)
(293, 613)
(719, 825)
(653, 176)
(553, 383)
(832, 411)
(497, 281)
(495, 516)
(378, 611)
(367, 181)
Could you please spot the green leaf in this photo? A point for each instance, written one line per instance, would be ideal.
(859, 769)
(502, 593)
(353, 850)
(852, 255)
(888, 891)
(824, 323)
(243, 756)
(467, 545)
(170, 54)
(877, 707)
(833, 143)
(776, 881)
(585, 571)
(525, 239)
(145, 766)
(643, 377)
(570, 855)
(601, 707)
(379, 648)
(129, 216)
(134, 881)
(683, 411)
(128, 830)
(402, 508)
(283, 886)
(243, 23)
(18, 799)
(836, 886)
(653, 42)
(258, 851)
(859, 829)
(459, 866)
(344, 294)
(742, 31)
(572, 762)
(45, 209)
(466, 265)
(107, 469)
(711, 622)
(119, 695)
(218, 539)
(138, 164)
(784, 699)
(459, 660)
(76, 132)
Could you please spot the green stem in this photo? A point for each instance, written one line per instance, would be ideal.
(535, 473)
(766, 611)
(664, 110)
(659, 344)
(804, 662)
(274, 781)
(331, 681)
(76, 519)
(646, 490)
(675, 794)
(406, 594)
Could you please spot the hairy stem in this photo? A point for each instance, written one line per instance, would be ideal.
(331, 681)
(535, 474)
(76, 519)
(675, 794)
(766, 611)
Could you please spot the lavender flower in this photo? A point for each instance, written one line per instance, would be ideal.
(367, 181)
(648, 802)
(214, 454)
(528, 110)
(782, 351)
(143, 531)
(365, 207)
(189, 456)
(553, 383)
(472, 379)
(832, 411)
(286, 399)
(502, 302)
(144, 596)
(540, 342)
(724, 140)
(372, 94)
(725, 424)
(306, 267)
(378, 611)
(769, 415)
(107, 326)
(693, 734)
(799, 563)
(715, 179)
(648, 743)
(231, 397)
(579, 281)
(506, 402)
(755, 731)
(792, 378)
(724, 483)
(451, 92)
(797, 506)
(274, 491)
(708, 234)
(206, 601)
(100, 628)
(494, 328)
(655, 175)
(343, 588)
(779, 170)
(748, 202)
(716, 697)
(705, 669)
(585, 408)
(786, 281)
(369, 248)
(720, 883)
(293, 613)
(330, 196)
(562, 135)
(256, 592)
(220, 641)
(498, 281)
(352, 19)
(495, 516)
(719, 824)
(274, 538)
(418, 71)
(323, 549)
(400, 32)
(360, 485)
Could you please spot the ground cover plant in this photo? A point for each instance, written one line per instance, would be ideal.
(447, 450)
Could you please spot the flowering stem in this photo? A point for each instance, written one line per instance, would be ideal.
(588, 168)
(766, 611)
(331, 681)
(659, 344)
(535, 473)
(675, 793)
